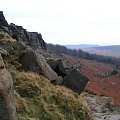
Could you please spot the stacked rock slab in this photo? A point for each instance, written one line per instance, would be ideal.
(33, 39)
(18, 33)
(36, 40)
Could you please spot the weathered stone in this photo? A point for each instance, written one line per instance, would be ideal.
(3, 52)
(3, 21)
(75, 81)
(31, 38)
(58, 81)
(57, 66)
(7, 104)
(5, 29)
(9, 48)
(3, 108)
(1, 62)
(36, 40)
(34, 61)
(18, 33)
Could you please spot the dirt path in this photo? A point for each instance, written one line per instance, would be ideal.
(100, 109)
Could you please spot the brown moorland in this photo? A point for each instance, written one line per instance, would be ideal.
(101, 82)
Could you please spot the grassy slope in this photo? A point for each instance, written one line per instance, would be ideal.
(38, 99)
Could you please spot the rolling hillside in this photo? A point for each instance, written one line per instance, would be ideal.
(105, 50)
(112, 50)
(80, 46)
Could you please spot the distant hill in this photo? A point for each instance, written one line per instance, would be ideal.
(80, 46)
(113, 50)
(58, 49)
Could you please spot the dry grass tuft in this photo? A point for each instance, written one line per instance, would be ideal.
(38, 99)
(5, 37)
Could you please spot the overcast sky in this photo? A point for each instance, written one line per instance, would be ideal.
(67, 21)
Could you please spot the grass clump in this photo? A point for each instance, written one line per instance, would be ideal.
(5, 38)
(38, 99)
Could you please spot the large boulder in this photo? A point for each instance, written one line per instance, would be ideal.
(34, 61)
(57, 66)
(7, 104)
(75, 81)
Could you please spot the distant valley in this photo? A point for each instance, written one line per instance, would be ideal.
(112, 50)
